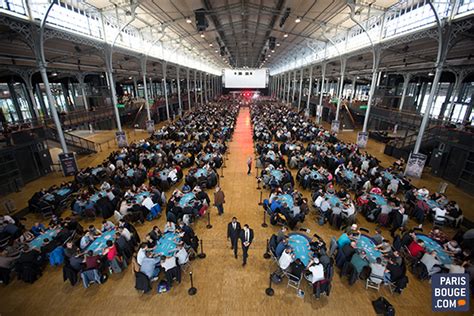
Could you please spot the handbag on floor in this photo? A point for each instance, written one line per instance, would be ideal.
(383, 307)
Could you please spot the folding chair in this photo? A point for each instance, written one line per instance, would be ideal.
(373, 282)
(293, 280)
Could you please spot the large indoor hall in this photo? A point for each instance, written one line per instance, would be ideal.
(205, 157)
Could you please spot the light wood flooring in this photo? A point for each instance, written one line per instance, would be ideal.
(224, 286)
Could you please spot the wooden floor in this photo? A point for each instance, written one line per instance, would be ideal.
(224, 286)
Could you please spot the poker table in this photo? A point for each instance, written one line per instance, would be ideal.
(277, 174)
(206, 157)
(179, 157)
(95, 171)
(315, 175)
(38, 241)
(433, 204)
(95, 197)
(367, 243)
(333, 199)
(200, 173)
(271, 156)
(164, 174)
(300, 245)
(186, 199)
(167, 244)
(62, 192)
(431, 244)
(141, 196)
(387, 175)
(349, 174)
(378, 199)
(278, 202)
(100, 243)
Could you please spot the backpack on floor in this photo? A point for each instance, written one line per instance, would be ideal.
(163, 287)
(383, 307)
(276, 278)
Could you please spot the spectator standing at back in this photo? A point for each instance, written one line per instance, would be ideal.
(249, 165)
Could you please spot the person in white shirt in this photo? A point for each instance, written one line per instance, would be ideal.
(439, 214)
(125, 233)
(286, 259)
(169, 227)
(423, 192)
(317, 270)
(168, 263)
(110, 195)
(181, 255)
(107, 225)
(148, 203)
(141, 254)
(105, 186)
(173, 175)
(318, 201)
(111, 167)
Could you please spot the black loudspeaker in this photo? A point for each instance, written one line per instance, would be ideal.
(271, 42)
(201, 21)
(222, 51)
(437, 161)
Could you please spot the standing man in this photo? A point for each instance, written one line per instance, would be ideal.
(249, 165)
(233, 233)
(219, 200)
(246, 236)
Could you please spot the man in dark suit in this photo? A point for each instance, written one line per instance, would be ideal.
(246, 236)
(397, 220)
(233, 233)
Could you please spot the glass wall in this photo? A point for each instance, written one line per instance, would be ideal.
(6, 104)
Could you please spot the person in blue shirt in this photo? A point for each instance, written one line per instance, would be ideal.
(281, 247)
(38, 229)
(343, 240)
(150, 266)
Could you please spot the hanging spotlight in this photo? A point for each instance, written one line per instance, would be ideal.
(188, 20)
(286, 35)
(278, 44)
(298, 20)
(210, 44)
(202, 35)
(273, 50)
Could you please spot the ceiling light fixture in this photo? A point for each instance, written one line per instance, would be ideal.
(210, 44)
(273, 50)
(188, 20)
(278, 44)
(202, 35)
(269, 55)
(298, 20)
(286, 35)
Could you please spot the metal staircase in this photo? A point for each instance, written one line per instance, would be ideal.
(80, 145)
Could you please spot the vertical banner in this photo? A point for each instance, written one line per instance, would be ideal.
(150, 126)
(362, 138)
(121, 139)
(68, 163)
(335, 126)
(415, 165)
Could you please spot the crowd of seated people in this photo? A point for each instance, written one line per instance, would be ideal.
(318, 270)
(49, 201)
(286, 207)
(129, 185)
(382, 195)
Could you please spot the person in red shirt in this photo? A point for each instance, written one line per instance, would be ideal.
(92, 261)
(417, 248)
(111, 250)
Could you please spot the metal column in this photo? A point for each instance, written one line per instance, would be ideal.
(188, 90)
(406, 82)
(341, 87)
(165, 90)
(178, 83)
(301, 88)
(373, 84)
(310, 87)
(147, 102)
(319, 110)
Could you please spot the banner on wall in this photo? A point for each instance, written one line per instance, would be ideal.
(150, 126)
(415, 165)
(362, 138)
(121, 139)
(68, 163)
(335, 126)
